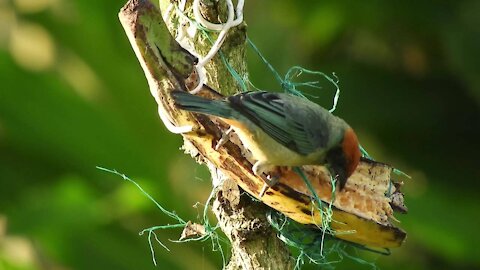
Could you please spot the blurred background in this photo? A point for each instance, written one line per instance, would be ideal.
(73, 96)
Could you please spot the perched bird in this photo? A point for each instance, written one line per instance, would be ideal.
(283, 130)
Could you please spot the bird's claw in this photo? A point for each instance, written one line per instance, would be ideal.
(224, 139)
(270, 181)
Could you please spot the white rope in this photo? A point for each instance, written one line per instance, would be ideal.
(167, 12)
(182, 5)
(167, 121)
(211, 26)
(223, 28)
(182, 33)
(239, 19)
(202, 76)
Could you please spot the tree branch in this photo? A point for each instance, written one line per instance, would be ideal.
(167, 66)
(361, 207)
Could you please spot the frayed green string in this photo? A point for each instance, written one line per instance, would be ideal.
(165, 211)
(399, 172)
(364, 152)
(395, 170)
(317, 200)
(295, 71)
(306, 240)
(325, 214)
(287, 83)
(309, 243)
(265, 61)
(210, 232)
(233, 72)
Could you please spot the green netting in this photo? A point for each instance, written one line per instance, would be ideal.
(210, 230)
(311, 247)
(290, 86)
(312, 244)
(287, 83)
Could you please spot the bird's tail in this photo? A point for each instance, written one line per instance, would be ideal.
(193, 103)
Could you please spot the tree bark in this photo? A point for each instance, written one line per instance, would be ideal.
(255, 244)
(361, 211)
(167, 66)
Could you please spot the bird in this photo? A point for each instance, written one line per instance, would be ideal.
(282, 129)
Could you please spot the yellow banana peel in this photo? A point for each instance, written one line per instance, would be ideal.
(361, 212)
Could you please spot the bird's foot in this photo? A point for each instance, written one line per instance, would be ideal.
(270, 181)
(224, 139)
(260, 168)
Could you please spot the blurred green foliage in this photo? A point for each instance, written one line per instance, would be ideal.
(73, 96)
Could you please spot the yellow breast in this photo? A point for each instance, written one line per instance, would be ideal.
(265, 148)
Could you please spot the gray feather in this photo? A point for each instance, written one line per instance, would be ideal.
(294, 122)
(193, 103)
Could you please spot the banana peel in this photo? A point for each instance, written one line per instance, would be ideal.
(362, 212)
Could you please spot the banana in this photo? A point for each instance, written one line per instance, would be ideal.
(361, 212)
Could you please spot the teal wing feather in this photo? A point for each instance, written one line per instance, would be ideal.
(296, 123)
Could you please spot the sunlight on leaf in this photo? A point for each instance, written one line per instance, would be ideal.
(32, 46)
(33, 6)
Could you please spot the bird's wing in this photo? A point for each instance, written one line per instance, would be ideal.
(293, 122)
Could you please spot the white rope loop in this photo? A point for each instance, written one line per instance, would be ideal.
(200, 67)
(167, 121)
(223, 28)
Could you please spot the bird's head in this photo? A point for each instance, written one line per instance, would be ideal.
(344, 158)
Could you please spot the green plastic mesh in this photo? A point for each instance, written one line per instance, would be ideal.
(311, 244)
